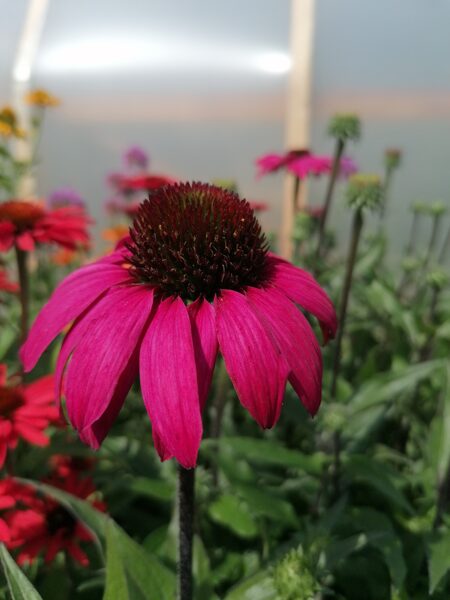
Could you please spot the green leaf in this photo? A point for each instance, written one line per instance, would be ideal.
(148, 574)
(233, 514)
(379, 477)
(444, 450)
(438, 559)
(19, 586)
(116, 587)
(267, 504)
(154, 488)
(258, 587)
(274, 453)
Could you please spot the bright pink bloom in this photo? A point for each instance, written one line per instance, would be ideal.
(194, 278)
(26, 223)
(134, 183)
(258, 206)
(25, 412)
(302, 164)
(44, 525)
(5, 284)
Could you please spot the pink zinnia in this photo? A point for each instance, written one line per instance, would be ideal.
(25, 224)
(194, 278)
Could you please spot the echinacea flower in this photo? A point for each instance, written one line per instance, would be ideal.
(136, 156)
(25, 223)
(44, 525)
(6, 285)
(195, 277)
(65, 196)
(303, 164)
(26, 410)
(41, 98)
(258, 206)
(8, 497)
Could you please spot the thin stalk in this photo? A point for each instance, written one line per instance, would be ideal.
(386, 187)
(433, 238)
(219, 402)
(413, 234)
(445, 247)
(443, 494)
(186, 494)
(24, 293)
(295, 196)
(329, 193)
(353, 251)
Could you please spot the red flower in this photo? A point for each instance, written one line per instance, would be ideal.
(25, 412)
(5, 284)
(26, 223)
(135, 183)
(8, 497)
(46, 526)
(258, 206)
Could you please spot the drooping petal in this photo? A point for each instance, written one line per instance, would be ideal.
(169, 381)
(69, 300)
(204, 337)
(302, 288)
(25, 241)
(256, 367)
(99, 371)
(160, 448)
(7, 230)
(296, 341)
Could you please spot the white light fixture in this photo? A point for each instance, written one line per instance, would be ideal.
(275, 63)
(29, 40)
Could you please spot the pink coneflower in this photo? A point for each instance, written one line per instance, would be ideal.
(194, 278)
(135, 156)
(26, 410)
(135, 183)
(25, 224)
(303, 164)
(258, 206)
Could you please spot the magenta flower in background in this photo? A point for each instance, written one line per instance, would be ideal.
(194, 278)
(136, 156)
(302, 164)
(65, 196)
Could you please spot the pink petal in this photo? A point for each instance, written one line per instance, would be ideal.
(204, 337)
(3, 374)
(160, 448)
(302, 288)
(69, 300)
(25, 241)
(100, 374)
(296, 342)
(169, 381)
(256, 367)
(7, 230)
(31, 434)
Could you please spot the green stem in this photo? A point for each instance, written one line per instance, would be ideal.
(186, 494)
(353, 251)
(433, 238)
(24, 293)
(386, 187)
(444, 248)
(295, 196)
(329, 193)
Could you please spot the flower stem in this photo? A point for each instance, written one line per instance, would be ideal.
(386, 187)
(186, 492)
(329, 194)
(433, 238)
(295, 197)
(444, 248)
(24, 293)
(413, 234)
(353, 250)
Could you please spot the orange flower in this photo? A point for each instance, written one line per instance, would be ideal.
(115, 234)
(63, 257)
(9, 124)
(42, 98)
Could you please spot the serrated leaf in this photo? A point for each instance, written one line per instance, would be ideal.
(19, 586)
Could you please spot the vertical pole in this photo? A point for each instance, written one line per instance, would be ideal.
(298, 109)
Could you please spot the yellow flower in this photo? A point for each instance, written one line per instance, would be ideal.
(5, 130)
(8, 116)
(40, 97)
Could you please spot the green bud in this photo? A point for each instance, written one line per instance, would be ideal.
(226, 184)
(437, 209)
(392, 158)
(420, 207)
(411, 264)
(364, 191)
(438, 278)
(293, 579)
(345, 127)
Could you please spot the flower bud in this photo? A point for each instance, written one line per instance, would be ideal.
(364, 191)
(293, 579)
(392, 158)
(420, 207)
(436, 209)
(438, 278)
(345, 127)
